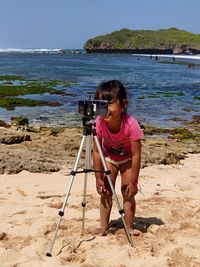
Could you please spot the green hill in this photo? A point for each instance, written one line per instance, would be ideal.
(167, 41)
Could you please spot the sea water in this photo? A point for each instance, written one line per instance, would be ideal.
(160, 94)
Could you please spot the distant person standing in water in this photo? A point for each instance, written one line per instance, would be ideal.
(120, 138)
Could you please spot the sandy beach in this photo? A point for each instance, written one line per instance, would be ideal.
(120, 72)
(168, 213)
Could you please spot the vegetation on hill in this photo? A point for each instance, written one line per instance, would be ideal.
(171, 40)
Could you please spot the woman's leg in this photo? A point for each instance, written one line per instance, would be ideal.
(106, 198)
(128, 202)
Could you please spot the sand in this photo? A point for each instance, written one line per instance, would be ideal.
(168, 212)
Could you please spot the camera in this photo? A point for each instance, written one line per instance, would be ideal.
(93, 107)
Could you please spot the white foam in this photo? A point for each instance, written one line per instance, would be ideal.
(31, 50)
(169, 56)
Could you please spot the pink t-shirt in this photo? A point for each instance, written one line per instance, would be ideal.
(118, 146)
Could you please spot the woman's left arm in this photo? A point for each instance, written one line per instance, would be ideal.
(136, 163)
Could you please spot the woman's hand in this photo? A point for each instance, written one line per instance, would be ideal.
(100, 186)
(131, 190)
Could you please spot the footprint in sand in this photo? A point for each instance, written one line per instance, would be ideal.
(19, 242)
(19, 212)
(3, 198)
(56, 204)
(184, 186)
(21, 192)
(178, 258)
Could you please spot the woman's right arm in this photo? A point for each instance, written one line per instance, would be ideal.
(99, 168)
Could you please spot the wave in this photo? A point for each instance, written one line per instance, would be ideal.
(169, 56)
(31, 50)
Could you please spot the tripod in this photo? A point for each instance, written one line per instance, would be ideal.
(88, 131)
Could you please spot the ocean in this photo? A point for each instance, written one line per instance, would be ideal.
(160, 94)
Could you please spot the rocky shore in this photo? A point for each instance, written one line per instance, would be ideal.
(50, 150)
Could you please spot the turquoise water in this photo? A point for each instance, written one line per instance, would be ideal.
(159, 94)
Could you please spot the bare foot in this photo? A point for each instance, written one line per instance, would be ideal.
(100, 231)
(134, 232)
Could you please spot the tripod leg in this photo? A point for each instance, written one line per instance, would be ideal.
(121, 212)
(61, 212)
(87, 168)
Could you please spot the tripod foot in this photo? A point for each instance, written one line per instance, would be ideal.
(48, 254)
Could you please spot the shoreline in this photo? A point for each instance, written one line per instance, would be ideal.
(46, 150)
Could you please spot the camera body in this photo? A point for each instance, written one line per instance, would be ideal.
(93, 107)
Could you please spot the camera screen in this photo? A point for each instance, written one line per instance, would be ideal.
(93, 107)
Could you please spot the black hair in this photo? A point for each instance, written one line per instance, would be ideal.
(111, 90)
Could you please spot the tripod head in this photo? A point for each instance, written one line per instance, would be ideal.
(88, 124)
(88, 120)
(90, 108)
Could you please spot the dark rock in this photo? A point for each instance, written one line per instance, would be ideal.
(172, 158)
(4, 124)
(153, 51)
(15, 139)
(3, 235)
(196, 119)
(54, 104)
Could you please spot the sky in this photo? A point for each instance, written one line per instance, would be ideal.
(68, 24)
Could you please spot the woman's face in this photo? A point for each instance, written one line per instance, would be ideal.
(114, 111)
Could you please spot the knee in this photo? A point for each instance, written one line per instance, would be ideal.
(123, 191)
(125, 196)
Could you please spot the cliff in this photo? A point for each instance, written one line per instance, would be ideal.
(163, 41)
